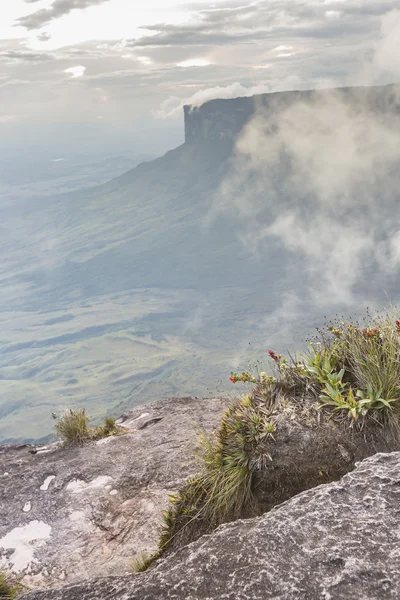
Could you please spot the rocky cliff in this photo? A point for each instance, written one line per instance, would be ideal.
(223, 120)
(70, 514)
(334, 542)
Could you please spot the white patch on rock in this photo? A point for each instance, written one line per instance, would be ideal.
(24, 541)
(80, 522)
(5, 474)
(76, 486)
(113, 492)
(142, 416)
(132, 422)
(47, 482)
(77, 515)
(27, 507)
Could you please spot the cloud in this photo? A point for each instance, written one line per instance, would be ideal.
(172, 106)
(268, 21)
(75, 72)
(142, 75)
(317, 176)
(387, 55)
(58, 9)
(194, 62)
(44, 37)
(25, 56)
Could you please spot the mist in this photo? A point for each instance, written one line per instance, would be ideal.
(320, 178)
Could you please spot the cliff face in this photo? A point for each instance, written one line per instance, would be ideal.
(223, 120)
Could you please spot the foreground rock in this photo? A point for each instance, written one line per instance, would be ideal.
(337, 541)
(70, 514)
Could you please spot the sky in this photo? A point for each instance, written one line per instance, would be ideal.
(76, 72)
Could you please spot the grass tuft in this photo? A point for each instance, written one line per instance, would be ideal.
(73, 429)
(10, 586)
(228, 458)
(140, 562)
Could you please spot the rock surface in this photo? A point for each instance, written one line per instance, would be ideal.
(334, 542)
(70, 514)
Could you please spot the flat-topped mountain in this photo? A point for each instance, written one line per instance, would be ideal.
(222, 120)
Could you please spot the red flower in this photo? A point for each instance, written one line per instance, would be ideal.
(232, 379)
(273, 355)
(398, 324)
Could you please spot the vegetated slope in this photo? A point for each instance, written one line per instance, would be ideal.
(165, 276)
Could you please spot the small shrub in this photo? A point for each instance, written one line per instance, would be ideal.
(73, 427)
(10, 586)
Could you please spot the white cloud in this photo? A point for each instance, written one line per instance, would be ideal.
(283, 48)
(387, 50)
(194, 62)
(144, 60)
(75, 72)
(333, 14)
(172, 107)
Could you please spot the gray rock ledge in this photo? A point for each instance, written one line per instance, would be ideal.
(334, 542)
(67, 515)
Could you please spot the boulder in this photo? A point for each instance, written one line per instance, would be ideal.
(68, 514)
(334, 542)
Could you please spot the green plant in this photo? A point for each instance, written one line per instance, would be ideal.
(73, 427)
(10, 586)
(373, 399)
(321, 365)
(342, 402)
